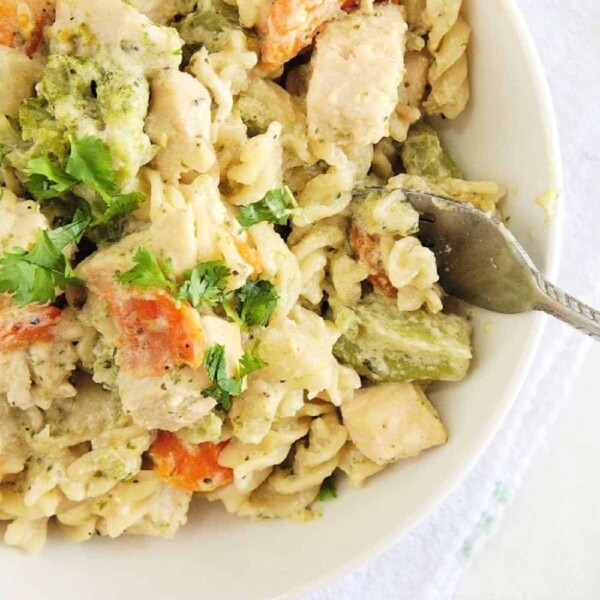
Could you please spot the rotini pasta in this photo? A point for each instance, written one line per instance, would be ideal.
(199, 291)
(448, 76)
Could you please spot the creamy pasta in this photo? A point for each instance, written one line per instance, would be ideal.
(210, 279)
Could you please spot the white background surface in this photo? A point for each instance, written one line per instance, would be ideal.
(548, 545)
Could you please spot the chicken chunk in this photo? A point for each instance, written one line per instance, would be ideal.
(37, 355)
(18, 75)
(358, 67)
(168, 402)
(392, 421)
(114, 31)
(179, 123)
(20, 221)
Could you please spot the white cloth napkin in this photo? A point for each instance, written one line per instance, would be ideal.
(428, 563)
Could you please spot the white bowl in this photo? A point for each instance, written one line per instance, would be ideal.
(507, 134)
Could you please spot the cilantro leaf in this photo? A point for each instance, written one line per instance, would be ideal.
(72, 233)
(257, 300)
(148, 272)
(205, 284)
(90, 162)
(224, 386)
(275, 207)
(120, 205)
(46, 178)
(34, 276)
(327, 490)
(27, 282)
(249, 363)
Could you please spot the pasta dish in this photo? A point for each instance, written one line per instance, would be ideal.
(210, 279)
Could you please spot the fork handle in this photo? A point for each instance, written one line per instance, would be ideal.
(568, 309)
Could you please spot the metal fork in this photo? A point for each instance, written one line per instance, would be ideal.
(481, 262)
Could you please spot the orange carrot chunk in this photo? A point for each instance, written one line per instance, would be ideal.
(22, 23)
(20, 327)
(190, 467)
(291, 26)
(155, 333)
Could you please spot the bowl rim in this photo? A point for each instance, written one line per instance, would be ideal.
(538, 325)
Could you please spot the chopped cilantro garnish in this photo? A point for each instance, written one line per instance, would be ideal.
(47, 179)
(33, 276)
(89, 163)
(257, 300)
(148, 272)
(205, 284)
(249, 363)
(328, 490)
(120, 205)
(275, 207)
(224, 387)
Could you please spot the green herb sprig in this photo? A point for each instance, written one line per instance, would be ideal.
(206, 285)
(89, 163)
(225, 387)
(275, 207)
(33, 276)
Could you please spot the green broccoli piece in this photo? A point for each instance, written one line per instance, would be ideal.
(209, 25)
(423, 154)
(385, 345)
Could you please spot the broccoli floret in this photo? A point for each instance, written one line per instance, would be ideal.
(423, 154)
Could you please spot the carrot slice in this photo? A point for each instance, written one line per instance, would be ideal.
(156, 333)
(190, 467)
(366, 246)
(22, 22)
(20, 327)
(291, 26)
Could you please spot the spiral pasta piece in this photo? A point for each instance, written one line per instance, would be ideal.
(312, 248)
(448, 76)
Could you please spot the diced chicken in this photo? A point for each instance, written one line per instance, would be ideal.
(168, 402)
(392, 421)
(18, 75)
(112, 30)
(173, 229)
(179, 123)
(37, 355)
(172, 399)
(20, 221)
(358, 66)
